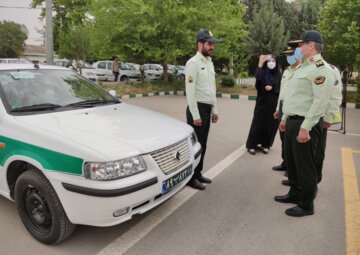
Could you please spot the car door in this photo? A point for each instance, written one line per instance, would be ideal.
(106, 67)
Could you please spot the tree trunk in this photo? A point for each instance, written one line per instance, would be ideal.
(231, 66)
(165, 74)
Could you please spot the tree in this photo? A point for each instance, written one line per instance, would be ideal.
(162, 30)
(308, 13)
(340, 26)
(267, 30)
(75, 44)
(12, 39)
(68, 13)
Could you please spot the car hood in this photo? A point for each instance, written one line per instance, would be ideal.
(115, 131)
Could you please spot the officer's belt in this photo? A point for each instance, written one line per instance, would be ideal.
(296, 117)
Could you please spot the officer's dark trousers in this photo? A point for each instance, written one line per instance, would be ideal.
(300, 162)
(282, 134)
(202, 132)
(320, 154)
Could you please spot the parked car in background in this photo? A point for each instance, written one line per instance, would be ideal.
(14, 61)
(87, 70)
(180, 72)
(152, 71)
(71, 153)
(126, 72)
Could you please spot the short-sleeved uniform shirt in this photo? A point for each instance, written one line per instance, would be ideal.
(309, 91)
(200, 83)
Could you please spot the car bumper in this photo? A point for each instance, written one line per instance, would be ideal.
(96, 203)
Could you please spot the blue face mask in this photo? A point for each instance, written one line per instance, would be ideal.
(291, 59)
(298, 54)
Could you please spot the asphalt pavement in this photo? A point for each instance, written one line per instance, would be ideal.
(236, 214)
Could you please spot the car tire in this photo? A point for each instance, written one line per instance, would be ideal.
(124, 78)
(40, 208)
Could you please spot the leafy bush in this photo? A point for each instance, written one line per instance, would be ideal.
(227, 81)
(244, 75)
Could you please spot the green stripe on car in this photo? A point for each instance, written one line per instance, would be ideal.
(49, 159)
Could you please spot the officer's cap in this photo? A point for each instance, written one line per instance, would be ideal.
(206, 35)
(288, 51)
(308, 36)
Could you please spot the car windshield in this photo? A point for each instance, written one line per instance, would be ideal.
(36, 91)
(88, 66)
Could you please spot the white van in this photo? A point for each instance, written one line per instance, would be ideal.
(126, 72)
(71, 153)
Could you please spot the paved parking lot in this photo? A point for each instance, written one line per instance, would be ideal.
(236, 214)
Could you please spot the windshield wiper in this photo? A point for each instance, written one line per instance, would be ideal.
(92, 103)
(36, 107)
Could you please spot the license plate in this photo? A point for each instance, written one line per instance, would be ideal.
(170, 183)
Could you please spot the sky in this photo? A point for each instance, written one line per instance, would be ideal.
(21, 13)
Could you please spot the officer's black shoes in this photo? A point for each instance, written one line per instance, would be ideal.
(285, 182)
(279, 168)
(299, 212)
(286, 199)
(203, 179)
(252, 151)
(196, 184)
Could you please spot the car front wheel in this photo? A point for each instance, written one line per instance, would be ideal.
(40, 209)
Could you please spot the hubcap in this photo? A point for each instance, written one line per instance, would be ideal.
(37, 210)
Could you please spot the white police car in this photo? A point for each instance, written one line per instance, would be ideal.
(71, 153)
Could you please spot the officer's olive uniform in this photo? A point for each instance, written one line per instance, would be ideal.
(201, 98)
(279, 108)
(331, 112)
(305, 102)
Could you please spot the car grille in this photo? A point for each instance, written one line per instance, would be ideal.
(173, 157)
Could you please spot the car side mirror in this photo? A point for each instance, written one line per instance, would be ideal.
(112, 92)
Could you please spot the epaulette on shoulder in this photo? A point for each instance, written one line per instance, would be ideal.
(319, 63)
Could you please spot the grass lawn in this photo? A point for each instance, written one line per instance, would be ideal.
(140, 88)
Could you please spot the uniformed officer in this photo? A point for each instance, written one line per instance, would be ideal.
(305, 102)
(294, 61)
(332, 111)
(201, 97)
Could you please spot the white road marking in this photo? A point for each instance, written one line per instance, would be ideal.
(140, 230)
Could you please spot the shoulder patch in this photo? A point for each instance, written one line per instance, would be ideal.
(319, 63)
(319, 80)
(190, 79)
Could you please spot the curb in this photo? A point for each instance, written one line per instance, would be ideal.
(228, 96)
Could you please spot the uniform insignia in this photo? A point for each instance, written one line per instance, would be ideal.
(311, 60)
(319, 80)
(190, 79)
(319, 63)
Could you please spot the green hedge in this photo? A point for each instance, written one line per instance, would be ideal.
(227, 81)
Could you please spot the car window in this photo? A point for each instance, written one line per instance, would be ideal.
(58, 63)
(109, 64)
(101, 65)
(88, 66)
(58, 87)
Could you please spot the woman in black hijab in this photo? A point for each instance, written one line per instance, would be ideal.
(264, 126)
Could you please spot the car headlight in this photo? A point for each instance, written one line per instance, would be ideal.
(193, 138)
(107, 171)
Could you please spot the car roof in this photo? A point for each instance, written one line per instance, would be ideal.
(30, 67)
